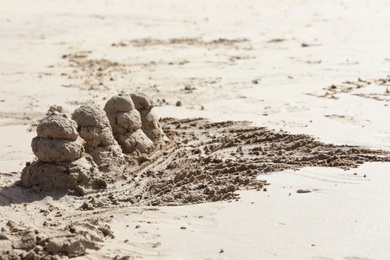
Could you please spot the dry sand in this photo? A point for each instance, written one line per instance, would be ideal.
(276, 115)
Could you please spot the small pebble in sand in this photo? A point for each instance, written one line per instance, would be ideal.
(304, 191)
(179, 103)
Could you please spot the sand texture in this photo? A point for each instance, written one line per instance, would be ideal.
(194, 129)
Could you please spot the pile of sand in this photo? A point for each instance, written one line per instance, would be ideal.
(95, 129)
(126, 125)
(62, 164)
(150, 123)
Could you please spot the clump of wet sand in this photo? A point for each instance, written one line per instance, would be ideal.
(126, 124)
(95, 129)
(150, 122)
(62, 164)
(19, 241)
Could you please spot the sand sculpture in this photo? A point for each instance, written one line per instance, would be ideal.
(73, 153)
(62, 163)
(150, 123)
(95, 129)
(126, 124)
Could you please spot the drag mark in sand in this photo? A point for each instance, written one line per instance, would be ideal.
(240, 43)
(211, 161)
(376, 89)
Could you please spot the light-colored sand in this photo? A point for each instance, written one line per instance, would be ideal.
(273, 64)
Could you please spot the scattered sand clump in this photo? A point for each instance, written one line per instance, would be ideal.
(95, 129)
(19, 241)
(62, 164)
(126, 124)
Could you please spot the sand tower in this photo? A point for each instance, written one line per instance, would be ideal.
(95, 129)
(150, 123)
(126, 124)
(62, 163)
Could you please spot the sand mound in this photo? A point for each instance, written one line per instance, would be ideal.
(23, 242)
(150, 124)
(71, 154)
(57, 126)
(95, 129)
(57, 150)
(62, 164)
(126, 125)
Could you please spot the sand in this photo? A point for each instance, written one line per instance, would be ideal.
(276, 139)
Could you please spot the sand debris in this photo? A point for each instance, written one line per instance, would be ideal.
(73, 239)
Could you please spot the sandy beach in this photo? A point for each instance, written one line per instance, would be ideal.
(277, 141)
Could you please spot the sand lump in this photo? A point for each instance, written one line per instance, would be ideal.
(150, 124)
(126, 124)
(62, 164)
(95, 129)
(57, 140)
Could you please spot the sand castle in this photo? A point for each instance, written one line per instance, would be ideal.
(62, 163)
(73, 153)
